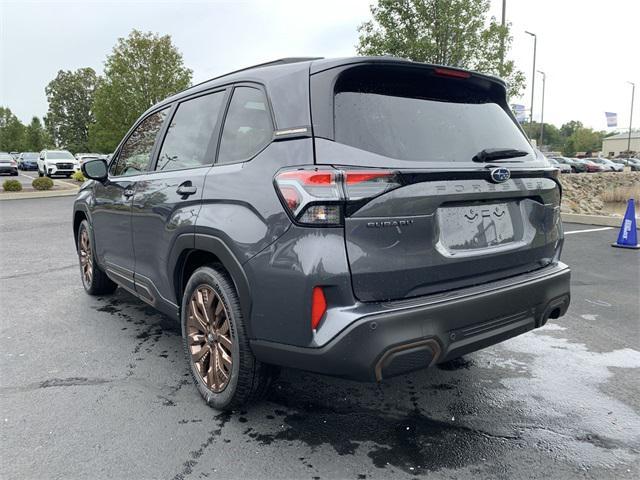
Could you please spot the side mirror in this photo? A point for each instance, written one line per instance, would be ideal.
(95, 169)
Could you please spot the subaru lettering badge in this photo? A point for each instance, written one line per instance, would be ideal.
(500, 175)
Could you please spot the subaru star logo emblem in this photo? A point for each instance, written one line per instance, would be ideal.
(500, 175)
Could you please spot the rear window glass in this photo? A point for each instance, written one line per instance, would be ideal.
(420, 117)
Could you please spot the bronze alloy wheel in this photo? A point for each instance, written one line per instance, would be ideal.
(209, 338)
(86, 257)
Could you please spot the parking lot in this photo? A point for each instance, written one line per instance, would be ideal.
(99, 388)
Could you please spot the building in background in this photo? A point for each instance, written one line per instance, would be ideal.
(616, 144)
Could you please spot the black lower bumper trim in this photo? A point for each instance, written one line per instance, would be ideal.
(392, 342)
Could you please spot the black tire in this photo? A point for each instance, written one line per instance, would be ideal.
(40, 174)
(249, 378)
(97, 283)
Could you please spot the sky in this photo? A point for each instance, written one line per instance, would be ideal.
(589, 49)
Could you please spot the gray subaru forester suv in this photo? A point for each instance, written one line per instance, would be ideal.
(359, 217)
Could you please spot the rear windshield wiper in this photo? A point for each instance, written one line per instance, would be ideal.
(492, 154)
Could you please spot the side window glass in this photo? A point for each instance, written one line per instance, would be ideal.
(247, 127)
(135, 155)
(188, 136)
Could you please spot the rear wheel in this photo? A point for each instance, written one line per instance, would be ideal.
(216, 344)
(40, 174)
(94, 280)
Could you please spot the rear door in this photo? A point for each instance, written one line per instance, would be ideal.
(167, 200)
(111, 215)
(433, 219)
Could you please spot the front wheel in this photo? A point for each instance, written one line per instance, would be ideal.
(94, 280)
(216, 344)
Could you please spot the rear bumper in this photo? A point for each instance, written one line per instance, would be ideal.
(405, 336)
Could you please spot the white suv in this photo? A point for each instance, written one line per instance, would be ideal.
(57, 162)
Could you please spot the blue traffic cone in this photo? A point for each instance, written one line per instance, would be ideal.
(628, 236)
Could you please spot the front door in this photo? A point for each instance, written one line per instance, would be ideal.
(111, 216)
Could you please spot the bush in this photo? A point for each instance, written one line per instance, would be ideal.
(42, 183)
(78, 176)
(12, 186)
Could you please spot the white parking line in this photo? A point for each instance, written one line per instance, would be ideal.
(589, 230)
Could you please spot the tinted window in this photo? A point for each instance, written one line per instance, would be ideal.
(135, 155)
(247, 127)
(420, 117)
(188, 137)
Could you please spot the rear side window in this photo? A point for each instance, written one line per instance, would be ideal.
(419, 117)
(135, 155)
(189, 133)
(247, 127)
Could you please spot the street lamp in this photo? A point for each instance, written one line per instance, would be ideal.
(544, 80)
(504, 24)
(533, 75)
(633, 91)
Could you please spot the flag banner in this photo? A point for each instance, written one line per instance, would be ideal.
(520, 112)
(612, 119)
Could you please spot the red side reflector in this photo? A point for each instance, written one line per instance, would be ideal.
(446, 72)
(318, 307)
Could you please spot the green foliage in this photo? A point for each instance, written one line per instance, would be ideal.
(70, 97)
(42, 183)
(142, 69)
(443, 32)
(553, 140)
(36, 137)
(78, 176)
(583, 140)
(12, 186)
(12, 132)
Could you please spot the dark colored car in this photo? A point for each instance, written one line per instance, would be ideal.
(574, 165)
(590, 166)
(28, 161)
(8, 164)
(360, 217)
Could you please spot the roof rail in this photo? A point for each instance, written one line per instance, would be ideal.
(279, 61)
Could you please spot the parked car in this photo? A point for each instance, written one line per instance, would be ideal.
(28, 161)
(329, 248)
(57, 162)
(83, 157)
(8, 164)
(634, 163)
(563, 167)
(575, 166)
(607, 164)
(622, 161)
(590, 166)
(15, 155)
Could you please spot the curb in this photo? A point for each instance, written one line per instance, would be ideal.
(40, 194)
(600, 220)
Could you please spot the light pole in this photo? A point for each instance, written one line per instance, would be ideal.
(533, 75)
(544, 80)
(504, 23)
(633, 92)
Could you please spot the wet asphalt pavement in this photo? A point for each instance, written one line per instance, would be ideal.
(99, 388)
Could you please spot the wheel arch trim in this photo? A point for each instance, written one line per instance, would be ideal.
(188, 243)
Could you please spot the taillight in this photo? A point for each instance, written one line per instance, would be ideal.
(318, 307)
(448, 72)
(317, 196)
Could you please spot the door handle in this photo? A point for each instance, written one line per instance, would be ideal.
(128, 192)
(186, 189)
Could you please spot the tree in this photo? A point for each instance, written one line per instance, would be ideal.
(142, 69)
(443, 32)
(11, 131)
(36, 137)
(70, 97)
(552, 138)
(567, 129)
(583, 140)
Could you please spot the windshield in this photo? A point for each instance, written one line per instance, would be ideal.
(30, 156)
(405, 119)
(60, 156)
